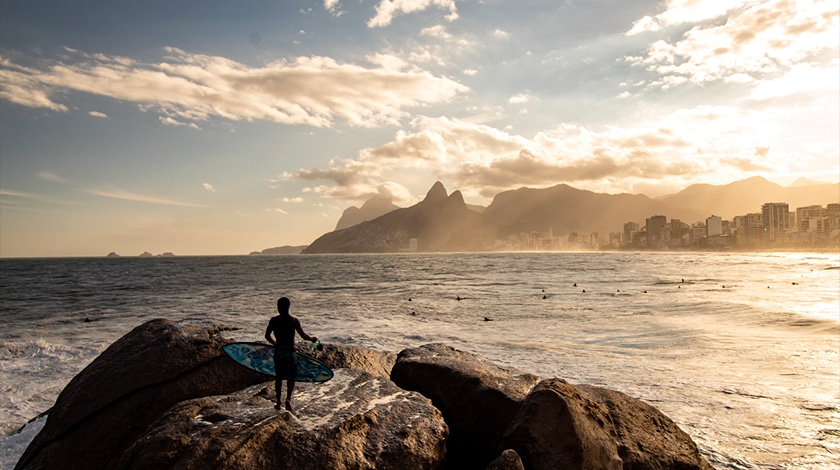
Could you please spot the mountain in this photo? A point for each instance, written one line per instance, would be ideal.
(371, 209)
(440, 222)
(564, 209)
(800, 182)
(747, 196)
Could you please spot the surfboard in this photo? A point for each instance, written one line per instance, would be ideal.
(260, 357)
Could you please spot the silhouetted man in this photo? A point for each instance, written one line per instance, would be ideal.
(283, 327)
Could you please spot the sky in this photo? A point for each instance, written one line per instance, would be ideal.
(220, 127)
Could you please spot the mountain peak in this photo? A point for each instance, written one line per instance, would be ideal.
(437, 193)
(457, 198)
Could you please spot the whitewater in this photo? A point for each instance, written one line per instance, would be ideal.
(741, 350)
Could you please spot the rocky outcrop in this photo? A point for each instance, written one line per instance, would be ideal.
(110, 402)
(578, 427)
(355, 420)
(166, 396)
(478, 399)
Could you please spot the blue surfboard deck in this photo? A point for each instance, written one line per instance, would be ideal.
(260, 357)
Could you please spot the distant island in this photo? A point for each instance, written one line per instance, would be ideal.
(279, 250)
(145, 254)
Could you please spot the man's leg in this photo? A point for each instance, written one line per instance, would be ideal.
(278, 385)
(290, 386)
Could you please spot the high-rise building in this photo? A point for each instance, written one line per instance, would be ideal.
(655, 228)
(714, 226)
(804, 215)
(630, 231)
(775, 217)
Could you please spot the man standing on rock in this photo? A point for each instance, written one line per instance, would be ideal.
(283, 327)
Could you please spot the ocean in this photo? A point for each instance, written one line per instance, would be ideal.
(742, 350)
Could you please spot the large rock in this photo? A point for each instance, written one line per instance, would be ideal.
(646, 438)
(587, 427)
(110, 403)
(477, 398)
(354, 421)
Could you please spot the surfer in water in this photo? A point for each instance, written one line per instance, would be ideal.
(283, 327)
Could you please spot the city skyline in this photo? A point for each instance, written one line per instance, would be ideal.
(213, 128)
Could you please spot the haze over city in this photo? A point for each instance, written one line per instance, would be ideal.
(223, 128)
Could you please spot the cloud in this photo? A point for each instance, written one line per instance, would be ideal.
(49, 176)
(709, 143)
(127, 196)
(758, 40)
(519, 99)
(294, 200)
(98, 114)
(387, 10)
(188, 88)
(174, 122)
(685, 11)
(209, 187)
(501, 34)
(334, 7)
(12, 193)
(22, 86)
(437, 31)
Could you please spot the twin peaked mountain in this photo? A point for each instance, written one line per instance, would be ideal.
(444, 222)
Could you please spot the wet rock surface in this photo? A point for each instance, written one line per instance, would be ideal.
(355, 420)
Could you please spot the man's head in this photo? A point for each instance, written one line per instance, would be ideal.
(283, 305)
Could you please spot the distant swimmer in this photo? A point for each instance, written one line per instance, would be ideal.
(488, 319)
(574, 285)
(544, 297)
(584, 290)
(409, 299)
(458, 298)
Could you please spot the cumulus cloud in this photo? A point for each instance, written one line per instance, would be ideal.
(482, 160)
(188, 88)
(438, 31)
(685, 11)
(387, 10)
(98, 114)
(519, 99)
(209, 187)
(334, 7)
(758, 40)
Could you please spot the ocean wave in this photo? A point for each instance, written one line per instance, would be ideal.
(35, 349)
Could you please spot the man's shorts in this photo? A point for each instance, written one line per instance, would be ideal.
(285, 366)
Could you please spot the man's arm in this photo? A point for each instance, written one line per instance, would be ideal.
(302, 334)
(268, 334)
